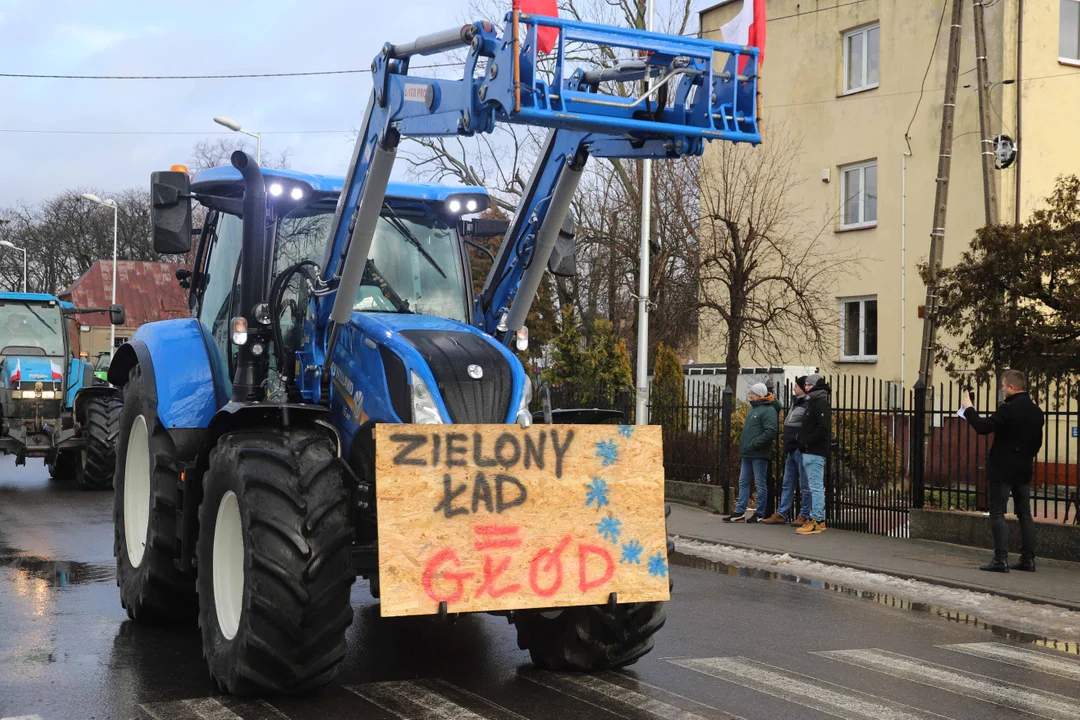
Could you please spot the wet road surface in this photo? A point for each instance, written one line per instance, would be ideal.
(737, 644)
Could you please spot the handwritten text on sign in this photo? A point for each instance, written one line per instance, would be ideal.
(498, 517)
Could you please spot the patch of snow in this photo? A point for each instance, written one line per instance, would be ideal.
(1043, 620)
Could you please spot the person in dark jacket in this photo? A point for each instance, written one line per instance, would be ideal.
(814, 437)
(1017, 425)
(793, 464)
(755, 447)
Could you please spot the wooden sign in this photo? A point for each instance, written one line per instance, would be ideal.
(499, 517)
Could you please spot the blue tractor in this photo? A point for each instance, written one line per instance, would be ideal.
(322, 307)
(52, 408)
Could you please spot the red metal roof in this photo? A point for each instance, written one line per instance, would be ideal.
(148, 291)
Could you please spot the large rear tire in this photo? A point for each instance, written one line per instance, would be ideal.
(145, 511)
(103, 427)
(586, 639)
(274, 567)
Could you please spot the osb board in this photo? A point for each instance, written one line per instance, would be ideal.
(499, 517)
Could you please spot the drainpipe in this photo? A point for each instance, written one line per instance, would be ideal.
(1019, 98)
(903, 265)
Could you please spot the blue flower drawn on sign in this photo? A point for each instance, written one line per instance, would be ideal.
(626, 431)
(598, 492)
(607, 452)
(609, 528)
(631, 553)
(657, 565)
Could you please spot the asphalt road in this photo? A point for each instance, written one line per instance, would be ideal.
(737, 644)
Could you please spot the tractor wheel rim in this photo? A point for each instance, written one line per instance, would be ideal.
(228, 565)
(137, 491)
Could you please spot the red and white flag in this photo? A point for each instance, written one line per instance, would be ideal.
(16, 374)
(57, 373)
(545, 36)
(747, 28)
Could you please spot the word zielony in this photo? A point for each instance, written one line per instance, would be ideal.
(508, 451)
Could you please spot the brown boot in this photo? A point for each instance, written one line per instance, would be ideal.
(775, 519)
(800, 521)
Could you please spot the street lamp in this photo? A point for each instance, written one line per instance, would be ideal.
(8, 244)
(235, 127)
(116, 217)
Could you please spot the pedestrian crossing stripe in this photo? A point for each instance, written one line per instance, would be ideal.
(1021, 657)
(432, 698)
(802, 690)
(202, 708)
(979, 687)
(601, 689)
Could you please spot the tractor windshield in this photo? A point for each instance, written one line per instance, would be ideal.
(31, 328)
(414, 265)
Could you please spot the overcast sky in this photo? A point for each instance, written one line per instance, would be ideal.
(155, 37)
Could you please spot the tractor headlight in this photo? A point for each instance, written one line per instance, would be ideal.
(424, 409)
(16, 394)
(48, 395)
(457, 204)
(524, 417)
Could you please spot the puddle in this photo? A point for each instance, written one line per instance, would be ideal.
(960, 618)
(58, 573)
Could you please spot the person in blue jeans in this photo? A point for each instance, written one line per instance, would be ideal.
(793, 463)
(755, 447)
(815, 437)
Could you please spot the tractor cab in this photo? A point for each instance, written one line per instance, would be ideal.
(33, 353)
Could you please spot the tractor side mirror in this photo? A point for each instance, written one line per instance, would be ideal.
(116, 314)
(483, 227)
(563, 260)
(170, 212)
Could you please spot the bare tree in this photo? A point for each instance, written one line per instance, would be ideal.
(210, 153)
(761, 272)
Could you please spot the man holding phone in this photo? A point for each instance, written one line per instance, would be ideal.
(1017, 426)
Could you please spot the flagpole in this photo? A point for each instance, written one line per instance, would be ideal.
(642, 394)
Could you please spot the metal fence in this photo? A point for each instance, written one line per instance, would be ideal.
(892, 449)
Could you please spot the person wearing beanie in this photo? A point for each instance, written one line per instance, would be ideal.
(814, 438)
(793, 464)
(755, 447)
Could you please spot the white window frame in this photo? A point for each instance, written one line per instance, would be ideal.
(864, 31)
(862, 356)
(1062, 59)
(862, 222)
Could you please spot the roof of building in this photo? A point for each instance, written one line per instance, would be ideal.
(206, 180)
(148, 291)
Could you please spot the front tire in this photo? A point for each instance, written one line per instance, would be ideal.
(586, 639)
(103, 427)
(144, 513)
(274, 567)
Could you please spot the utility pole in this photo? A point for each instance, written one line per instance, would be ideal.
(941, 200)
(989, 157)
(641, 396)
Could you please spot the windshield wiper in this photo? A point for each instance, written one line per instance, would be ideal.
(42, 320)
(400, 305)
(406, 233)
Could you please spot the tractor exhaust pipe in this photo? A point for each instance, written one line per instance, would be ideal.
(251, 368)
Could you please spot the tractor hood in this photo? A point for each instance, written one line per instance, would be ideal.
(474, 378)
(30, 369)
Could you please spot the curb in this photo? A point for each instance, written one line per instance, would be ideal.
(930, 579)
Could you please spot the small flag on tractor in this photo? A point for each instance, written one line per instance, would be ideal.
(545, 36)
(747, 29)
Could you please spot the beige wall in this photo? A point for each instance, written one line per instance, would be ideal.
(801, 85)
(97, 340)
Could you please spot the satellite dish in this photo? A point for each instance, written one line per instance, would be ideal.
(1004, 151)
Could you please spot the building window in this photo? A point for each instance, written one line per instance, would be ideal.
(858, 329)
(861, 51)
(858, 195)
(1069, 32)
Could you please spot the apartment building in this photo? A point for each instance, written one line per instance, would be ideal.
(847, 78)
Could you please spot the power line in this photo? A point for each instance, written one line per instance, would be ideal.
(797, 15)
(165, 132)
(234, 76)
(922, 85)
